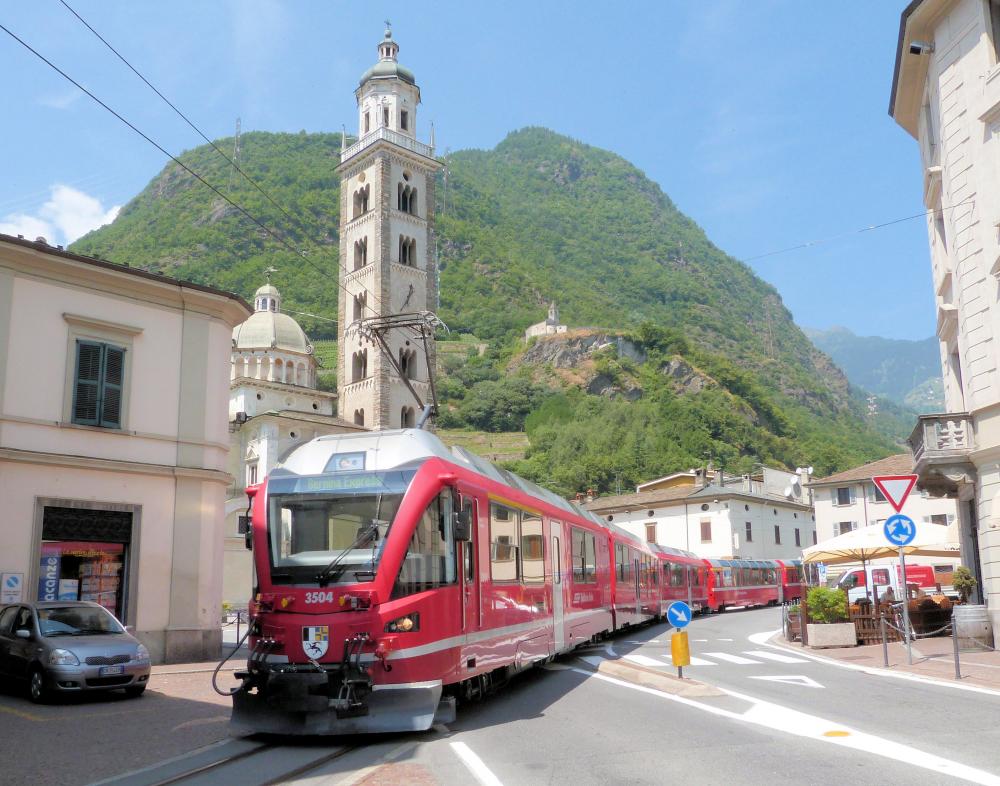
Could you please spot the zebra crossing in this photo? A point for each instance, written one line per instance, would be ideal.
(745, 658)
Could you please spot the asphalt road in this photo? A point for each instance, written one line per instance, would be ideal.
(572, 723)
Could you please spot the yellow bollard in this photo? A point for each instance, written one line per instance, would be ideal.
(680, 652)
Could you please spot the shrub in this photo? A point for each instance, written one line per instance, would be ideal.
(963, 581)
(827, 605)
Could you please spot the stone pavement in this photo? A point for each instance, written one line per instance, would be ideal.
(89, 737)
(933, 657)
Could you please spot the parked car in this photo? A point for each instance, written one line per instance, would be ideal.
(60, 647)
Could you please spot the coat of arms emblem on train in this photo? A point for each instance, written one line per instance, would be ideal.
(315, 640)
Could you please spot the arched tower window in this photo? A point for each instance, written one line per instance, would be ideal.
(301, 377)
(359, 365)
(359, 417)
(407, 251)
(361, 201)
(408, 363)
(407, 418)
(360, 304)
(360, 253)
(412, 208)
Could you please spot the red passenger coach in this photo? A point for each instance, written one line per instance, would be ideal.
(394, 575)
(683, 576)
(793, 581)
(742, 582)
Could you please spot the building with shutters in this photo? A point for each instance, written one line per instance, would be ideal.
(765, 516)
(114, 393)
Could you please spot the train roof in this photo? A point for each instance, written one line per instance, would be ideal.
(670, 551)
(743, 563)
(394, 449)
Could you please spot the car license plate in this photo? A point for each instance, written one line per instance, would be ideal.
(107, 671)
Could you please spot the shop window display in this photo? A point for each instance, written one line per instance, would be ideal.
(81, 570)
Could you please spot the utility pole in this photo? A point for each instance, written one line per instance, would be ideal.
(236, 154)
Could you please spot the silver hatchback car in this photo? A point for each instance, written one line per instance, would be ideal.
(69, 647)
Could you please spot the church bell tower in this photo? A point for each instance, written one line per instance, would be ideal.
(388, 264)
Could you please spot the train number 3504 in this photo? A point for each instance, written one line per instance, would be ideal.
(319, 597)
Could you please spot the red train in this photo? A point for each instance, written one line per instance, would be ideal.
(394, 576)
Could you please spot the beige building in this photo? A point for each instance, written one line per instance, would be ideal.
(548, 327)
(946, 95)
(388, 257)
(113, 441)
(274, 406)
(768, 516)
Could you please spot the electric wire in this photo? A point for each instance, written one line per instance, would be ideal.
(214, 146)
(271, 233)
(873, 227)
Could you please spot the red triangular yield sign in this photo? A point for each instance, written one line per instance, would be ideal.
(895, 488)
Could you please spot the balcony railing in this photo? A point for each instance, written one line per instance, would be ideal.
(388, 135)
(941, 438)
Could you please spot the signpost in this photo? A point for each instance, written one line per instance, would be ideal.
(899, 531)
(679, 615)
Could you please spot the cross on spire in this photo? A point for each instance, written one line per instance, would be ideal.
(268, 271)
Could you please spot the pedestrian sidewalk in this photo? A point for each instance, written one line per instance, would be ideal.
(932, 657)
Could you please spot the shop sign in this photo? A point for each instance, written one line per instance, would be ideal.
(11, 587)
(48, 578)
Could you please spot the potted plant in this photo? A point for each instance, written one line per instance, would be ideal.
(829, 625)
(964, 582)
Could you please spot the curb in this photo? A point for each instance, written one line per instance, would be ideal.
(653, 678)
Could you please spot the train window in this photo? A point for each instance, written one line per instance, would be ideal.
(676, 575)
(695, 575)
(468, 547)
(584, 560)
(532, 549)
(503, 543)
(727, 577)
(556, 556)
(430, 558)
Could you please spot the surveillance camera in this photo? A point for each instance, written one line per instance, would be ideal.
(921, 48)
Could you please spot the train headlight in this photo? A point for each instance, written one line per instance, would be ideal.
(407, 624)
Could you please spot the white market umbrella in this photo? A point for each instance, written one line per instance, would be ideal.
(868, 543)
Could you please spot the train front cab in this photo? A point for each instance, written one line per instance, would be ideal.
(792, 580)
(739, 582)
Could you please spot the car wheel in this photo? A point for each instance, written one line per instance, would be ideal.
(135, 691)
(37, 688)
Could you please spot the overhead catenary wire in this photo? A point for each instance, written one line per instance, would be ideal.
(220, 151)
(862, 230)
(278, 237)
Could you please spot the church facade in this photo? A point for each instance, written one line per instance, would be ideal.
(388, 261)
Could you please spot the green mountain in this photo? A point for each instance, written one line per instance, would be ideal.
(541, 217)
(906, 372)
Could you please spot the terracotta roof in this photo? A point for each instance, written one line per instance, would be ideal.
(642, 499)
(899, 464)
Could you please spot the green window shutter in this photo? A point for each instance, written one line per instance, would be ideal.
(87, 381)
(111, 393)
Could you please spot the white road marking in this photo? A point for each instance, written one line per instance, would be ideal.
(694, 661)
(731, 658)
(763, 639)
(475, 765)
(800, 724)
(723, 639)
(642, 660)
(774, 656)
(637, 641)
(700, 640)
(793, 679)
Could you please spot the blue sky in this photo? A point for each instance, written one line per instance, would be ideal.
(765, 121)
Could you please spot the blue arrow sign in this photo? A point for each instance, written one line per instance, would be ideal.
(899, 530)
(679, 614)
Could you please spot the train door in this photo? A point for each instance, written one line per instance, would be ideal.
(638, 590)
(556, 530)
(471, 608)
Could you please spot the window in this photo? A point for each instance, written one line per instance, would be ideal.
(876, 494)
(361, 201)
(532, 549)
(749, 537)
(408, 363)
(385, 116)
(704, 506)
(880, 576)
(843, 496)
(407, 417)
(359, 417)
(359, 365)
(360, 253)
(651, 532)
(6, 617)
(407, 251)
(469, 551)
(814, 537)
(404, 120)
(677, 575)
(98, 384)
(252, 474)
(430, 558)
(503, 543)
(706, 531)
(798, 539)
(556, 554)
(622, 564)
(777, 535)
(360, 304)
(938, 518)
(584, 561)
(844, 527)
(368, 122)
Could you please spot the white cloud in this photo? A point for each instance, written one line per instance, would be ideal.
(67, 215)
(60, 100)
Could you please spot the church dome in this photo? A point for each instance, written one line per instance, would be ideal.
(268, 328)
(388, 67)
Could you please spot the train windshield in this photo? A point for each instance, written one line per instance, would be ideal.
(329, 529)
